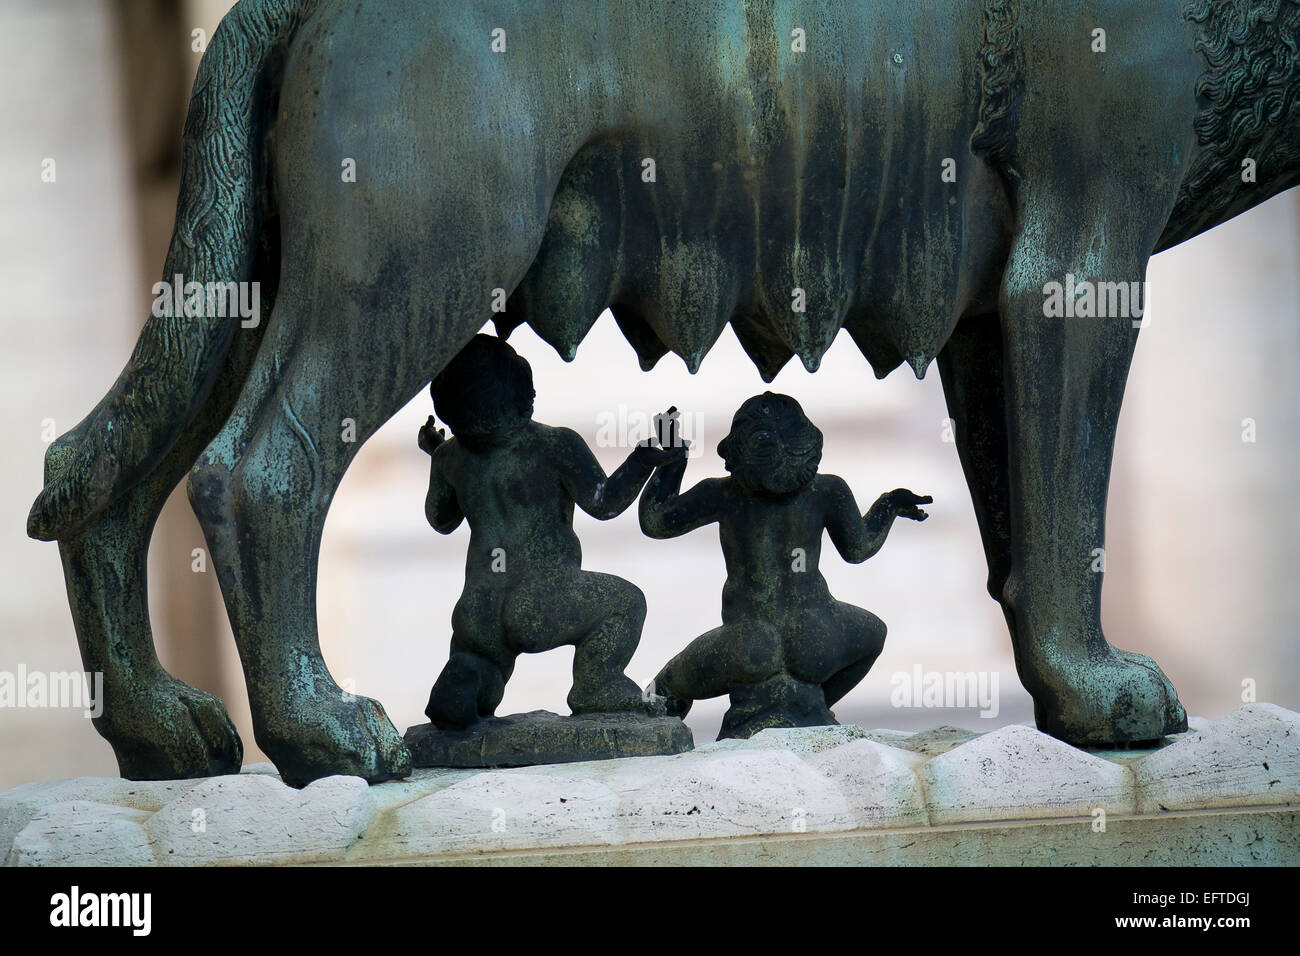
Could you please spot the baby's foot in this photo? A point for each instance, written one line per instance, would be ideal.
(454, 700)
(618, 694)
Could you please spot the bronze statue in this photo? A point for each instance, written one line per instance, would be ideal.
(786, 650)
(516, 482)
(919, 173)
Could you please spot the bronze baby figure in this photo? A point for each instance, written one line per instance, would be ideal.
(786, 650)
(516, 481)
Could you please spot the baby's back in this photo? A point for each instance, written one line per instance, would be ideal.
(772, 548)
(514, 499)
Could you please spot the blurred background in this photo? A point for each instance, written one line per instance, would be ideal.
(1203, 544)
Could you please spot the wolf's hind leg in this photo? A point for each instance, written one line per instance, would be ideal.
(160, 728)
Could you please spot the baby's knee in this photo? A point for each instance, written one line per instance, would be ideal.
(612, 598)
(469, 688)
(631, 600)
(861, 630)
(875, 634)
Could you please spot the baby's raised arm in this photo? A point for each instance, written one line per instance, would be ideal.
(857, 536)
(604, 496)
(441, 508)
(665, 513)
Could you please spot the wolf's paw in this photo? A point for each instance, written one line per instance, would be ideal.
(170, 731)
(1176, 716)
(329, 732)
(1117, 699)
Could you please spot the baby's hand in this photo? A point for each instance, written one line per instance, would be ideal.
(905, 504)
(431, 436)
(666, 428)
(647, 454)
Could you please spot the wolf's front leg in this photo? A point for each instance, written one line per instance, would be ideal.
(1065, 380)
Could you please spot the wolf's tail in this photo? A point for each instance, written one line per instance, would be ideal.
(177, 358)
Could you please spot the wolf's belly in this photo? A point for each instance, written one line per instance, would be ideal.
(700, 170)
(678, 245)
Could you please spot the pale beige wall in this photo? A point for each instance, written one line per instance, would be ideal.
(1204, 536)
(75, 280)
(67, 271)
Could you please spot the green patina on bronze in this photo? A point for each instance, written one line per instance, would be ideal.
(776, 167)
(786, 650)
(515, 482)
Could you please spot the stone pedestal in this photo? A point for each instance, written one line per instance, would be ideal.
(1226, 792)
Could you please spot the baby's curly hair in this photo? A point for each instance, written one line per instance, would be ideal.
(486, 387)
(773, 449)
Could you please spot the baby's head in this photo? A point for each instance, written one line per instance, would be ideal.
(486, 390)
(773, 449)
